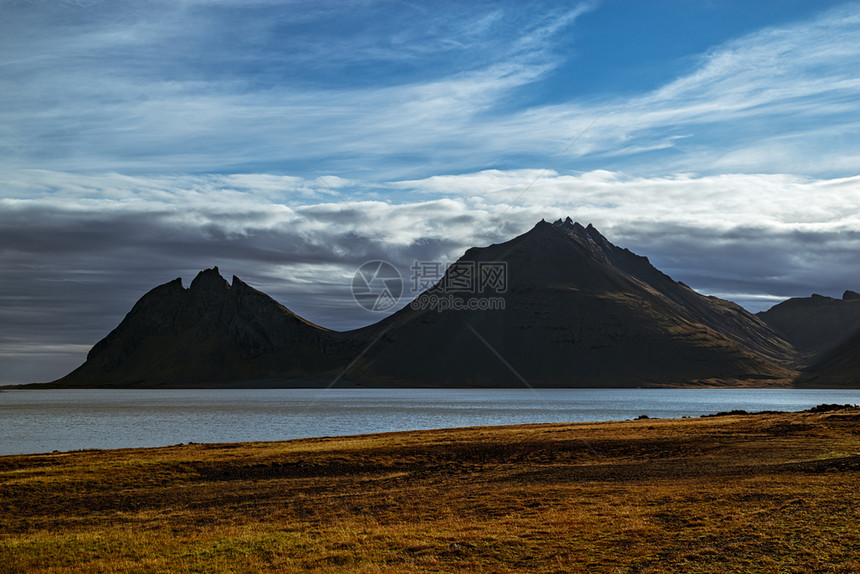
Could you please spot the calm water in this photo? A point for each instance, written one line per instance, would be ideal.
(36, 421)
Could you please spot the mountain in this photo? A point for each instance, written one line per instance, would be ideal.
(213, 331)
(838, 367)
(817, 323)
(570, 309)
(578, 311)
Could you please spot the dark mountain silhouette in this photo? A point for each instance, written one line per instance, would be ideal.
(817, 323)
(212, 331)
(838, 367)
(578, 311)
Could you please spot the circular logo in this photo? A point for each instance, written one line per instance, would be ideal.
(377, 286)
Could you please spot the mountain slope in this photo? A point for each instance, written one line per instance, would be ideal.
(838, 367)
(578, 311)
(814, 324)
(724, 316)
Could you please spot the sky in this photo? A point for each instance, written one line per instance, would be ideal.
(288, 142)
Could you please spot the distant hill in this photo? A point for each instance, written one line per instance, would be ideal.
(578, 311)
(838, 367)
(817, 323)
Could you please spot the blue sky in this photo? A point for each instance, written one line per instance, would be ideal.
(288, 142)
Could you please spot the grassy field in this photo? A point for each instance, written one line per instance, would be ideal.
(745, 493)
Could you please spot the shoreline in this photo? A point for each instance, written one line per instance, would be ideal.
(821, 408)
(258, 386)
(333, 379)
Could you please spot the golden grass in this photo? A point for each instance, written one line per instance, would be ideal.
(762, 493)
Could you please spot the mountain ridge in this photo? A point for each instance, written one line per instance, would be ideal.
(578, 311)
(837, 367)
(815, 324)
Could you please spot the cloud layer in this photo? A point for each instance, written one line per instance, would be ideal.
(202, 87)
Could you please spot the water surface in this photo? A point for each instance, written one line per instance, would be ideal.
(36, 421)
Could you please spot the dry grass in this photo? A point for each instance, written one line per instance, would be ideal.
(763, 493)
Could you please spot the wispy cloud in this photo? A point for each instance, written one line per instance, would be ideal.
(97, 94)
(94, 94)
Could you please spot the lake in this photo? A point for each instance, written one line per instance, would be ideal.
(35, 421)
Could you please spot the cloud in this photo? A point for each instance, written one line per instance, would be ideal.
(138, 89)
(774, 202)
(373, 103)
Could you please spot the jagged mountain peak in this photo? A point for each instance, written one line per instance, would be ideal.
(210, 285)
(209, 280)
(588, 237)
(567, 224)
(570, 226)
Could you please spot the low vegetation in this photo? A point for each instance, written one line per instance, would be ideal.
(753, 493)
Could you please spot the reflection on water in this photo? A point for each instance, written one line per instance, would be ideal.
(46, 420)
